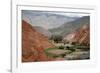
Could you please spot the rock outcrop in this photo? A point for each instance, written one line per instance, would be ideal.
(81, 35)
(33, 44)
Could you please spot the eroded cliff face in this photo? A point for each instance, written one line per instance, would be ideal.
(81, 35)
(33, 44)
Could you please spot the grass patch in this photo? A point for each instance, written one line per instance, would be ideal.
(49, 54)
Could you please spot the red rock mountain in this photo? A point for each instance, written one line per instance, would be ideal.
(81, 35)
(33, 44)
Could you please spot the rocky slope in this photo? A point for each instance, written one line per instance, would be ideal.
(43, 31)
(81, 35)
(71, 26)
(33, 44)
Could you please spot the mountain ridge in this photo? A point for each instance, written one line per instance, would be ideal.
(70, 26)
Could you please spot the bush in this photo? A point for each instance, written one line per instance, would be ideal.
(56, 38)
(61, 47)
(82, 47)
(72, 48)
(79, 46)
(67, 47)
(74, 43)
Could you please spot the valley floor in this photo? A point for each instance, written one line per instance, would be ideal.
(68, 52)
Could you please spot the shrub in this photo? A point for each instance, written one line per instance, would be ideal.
(61, 47)
(72, 48)
(82, 47)
(73, 43)
(56, 38)
(67, 47)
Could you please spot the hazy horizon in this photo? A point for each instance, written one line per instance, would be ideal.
(48, 20)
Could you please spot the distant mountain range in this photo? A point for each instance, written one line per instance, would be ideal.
(47, 20)
(43, 31)
(69, 27)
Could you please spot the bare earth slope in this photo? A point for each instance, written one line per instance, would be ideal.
(81, 36)
(33, 44)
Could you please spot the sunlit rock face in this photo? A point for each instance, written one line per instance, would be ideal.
(81, 35)
(33, 44)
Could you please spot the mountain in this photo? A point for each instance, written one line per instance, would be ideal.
(81, 35)
(46, 19)
(71, 26)
(43, 31)
(33, 44)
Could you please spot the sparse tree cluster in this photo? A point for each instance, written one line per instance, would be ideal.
(56, 38)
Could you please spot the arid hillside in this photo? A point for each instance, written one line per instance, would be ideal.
(33, 44)
(81, 35)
